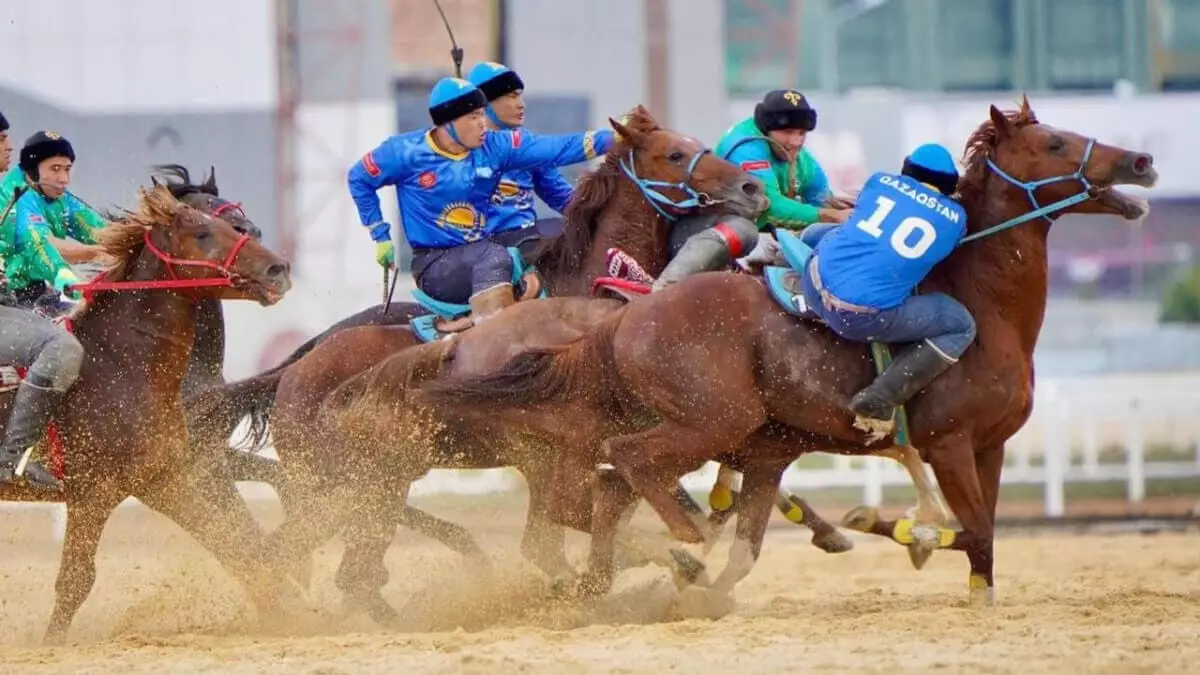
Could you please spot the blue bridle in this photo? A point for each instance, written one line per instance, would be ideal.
(1029, 187)
(694, 199)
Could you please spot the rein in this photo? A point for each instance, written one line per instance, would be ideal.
(694, 199)
(1030, 186)
(227, 277)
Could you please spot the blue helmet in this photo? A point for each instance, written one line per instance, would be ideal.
(495, 79)
(452, 98)
(933, 164)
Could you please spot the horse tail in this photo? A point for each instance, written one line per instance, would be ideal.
(215, 412)
(578, 370)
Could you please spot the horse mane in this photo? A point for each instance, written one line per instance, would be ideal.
(123, 239)
(565, 254)
(179, 181)
(981, 145)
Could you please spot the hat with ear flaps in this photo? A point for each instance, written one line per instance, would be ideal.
(933, 164)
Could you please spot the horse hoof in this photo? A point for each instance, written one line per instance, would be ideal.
(832, 541)
(861, 519)
(381, 611)
(688, 570)
(982, 597)
(591, 586)
(919, 553)
(55, 638)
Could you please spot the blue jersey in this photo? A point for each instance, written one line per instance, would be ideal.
(899, 230)
(445, 198)
(512, 202)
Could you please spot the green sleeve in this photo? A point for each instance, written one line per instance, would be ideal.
(33, 256)
(783, 211)
(83, 220)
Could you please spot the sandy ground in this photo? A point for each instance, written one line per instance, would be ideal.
(1107, 604)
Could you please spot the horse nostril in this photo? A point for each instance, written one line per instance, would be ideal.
(751, 188)
(278, 271)
(1142, 163)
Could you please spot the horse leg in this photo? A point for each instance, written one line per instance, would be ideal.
(362, 574)
(544, 542)
(77, 571)
(760, 483)
(825, 535)
(220, 521)
(251, 468)
(930, 510)
(612, 498)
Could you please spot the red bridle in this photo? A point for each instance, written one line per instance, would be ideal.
(227, 277)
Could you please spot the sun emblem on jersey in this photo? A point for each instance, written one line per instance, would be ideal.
(507, 188)
(462, 216)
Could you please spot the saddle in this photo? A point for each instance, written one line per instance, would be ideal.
(447, 318)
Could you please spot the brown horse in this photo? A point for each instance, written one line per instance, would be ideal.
(607, 211)
(121, 426)
(712, 364)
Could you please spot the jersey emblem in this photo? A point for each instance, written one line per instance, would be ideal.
(462, 216)
(427, 180)
(516, 138)
(756, 165)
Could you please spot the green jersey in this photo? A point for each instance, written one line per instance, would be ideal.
(796, 190)
(25, 247)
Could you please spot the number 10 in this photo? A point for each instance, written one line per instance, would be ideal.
(900, 236)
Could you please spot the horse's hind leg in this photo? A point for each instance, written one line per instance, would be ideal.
(77, 571)
(724, 502)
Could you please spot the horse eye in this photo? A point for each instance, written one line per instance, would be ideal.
(1056, 144)
(676, 156)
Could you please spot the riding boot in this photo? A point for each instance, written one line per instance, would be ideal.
(703, 252)
(484, 304)
(907, 374)
(33, 408)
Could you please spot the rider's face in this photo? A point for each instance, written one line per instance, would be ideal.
(54, 176)
(791, 139)
(510, 108)
(5, 151)
(470, 128)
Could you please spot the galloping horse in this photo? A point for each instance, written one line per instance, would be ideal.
(609, 210)
(712, 369)
(121, 430)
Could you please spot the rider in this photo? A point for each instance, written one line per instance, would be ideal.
(769, 145)
(862, 276)
(444, 178)
(52, 355)
(5, 146)
(514, 221)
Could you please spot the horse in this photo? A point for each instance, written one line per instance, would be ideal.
(120, 430)
(712, 368)
(608, 210)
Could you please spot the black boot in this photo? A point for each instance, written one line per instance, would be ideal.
(703, 252)
(32, 411)
(908, 373)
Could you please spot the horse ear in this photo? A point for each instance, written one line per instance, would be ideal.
(1001, 122)
(154, 181)
(211, 183)
(1026, 109)
(629, 136)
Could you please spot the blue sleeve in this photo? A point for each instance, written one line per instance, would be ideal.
(817, 191)
(553, 188)
(754, 157)
(376, 169)
(520, 149)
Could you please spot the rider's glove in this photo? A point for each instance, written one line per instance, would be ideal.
(63, 279)
(385, 254)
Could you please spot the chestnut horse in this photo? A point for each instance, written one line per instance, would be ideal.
(712, 364)
(121, 427)
(609, 210)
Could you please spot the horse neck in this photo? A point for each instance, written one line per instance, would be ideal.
(149, 331)
(629, 223)
(1001, 278)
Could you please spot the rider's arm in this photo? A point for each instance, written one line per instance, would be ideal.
(782, 211)
(31, 241)
(82, 221)
(376, 169)
(816, 191)
(519, 149)
(553, 188)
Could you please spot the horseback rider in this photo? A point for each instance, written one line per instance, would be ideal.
(5, 145)
(513, 218)
(444, 178)
(44, 210)
(862, 275)
(769, 145)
